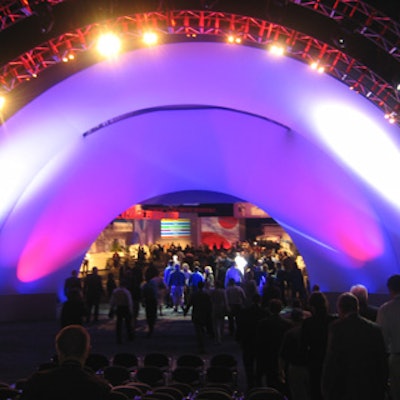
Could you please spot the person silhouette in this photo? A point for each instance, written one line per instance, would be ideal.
(70, 379)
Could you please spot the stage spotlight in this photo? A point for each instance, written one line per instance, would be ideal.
(68, 57)
(391, 117)
(150, 38)
(234, 39)
(277, 50)
(109, 45)
(2, 102)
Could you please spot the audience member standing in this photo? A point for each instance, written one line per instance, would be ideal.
(72, 283)
(150, 298)
(366, 310)
(201, 314)
(70, 380)
(220, 309)
(233, 272)
(236, 301)
(389, 320)
(296, 283)
(249, 286)
(355, 364)
(93, 290)
(167, 272)
(122, 306)
(209, 278)
(269, 335)
(195, 278)
(176, 284)
(247, 322)
(73, 310)
(314, 336)
(294, 357)
(161, 290)
(110, 284)
(270, 291)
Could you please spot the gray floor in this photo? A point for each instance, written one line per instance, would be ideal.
(25, 345)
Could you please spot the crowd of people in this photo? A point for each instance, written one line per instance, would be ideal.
(288, 338)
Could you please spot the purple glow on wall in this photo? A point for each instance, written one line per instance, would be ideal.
(62, 189)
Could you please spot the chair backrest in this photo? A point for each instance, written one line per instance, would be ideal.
(115, 395)
(159, 360)
(174, 392)
(188, 375)
(157, 396)
(143, 387)
(153, 376)
(128, 360)
(97, 362)
(8, 393)
(223, 360)
(220, 374)
(264, 393)
(185, 388)
(129, 391)
(213, 394)
(116, 374)
(190, 360)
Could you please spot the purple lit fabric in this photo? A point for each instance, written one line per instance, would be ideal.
(223, 118)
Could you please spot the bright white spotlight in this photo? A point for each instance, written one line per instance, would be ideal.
(109, 45)
(343, 135)
(150, 38)
(2, 102)
(277, 50)
(315, 66)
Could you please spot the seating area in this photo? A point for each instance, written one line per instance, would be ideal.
(160, 376)
(180, 367)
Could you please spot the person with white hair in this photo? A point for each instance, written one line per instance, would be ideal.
(367, 311)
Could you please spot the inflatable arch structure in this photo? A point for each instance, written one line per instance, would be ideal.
(200, 115)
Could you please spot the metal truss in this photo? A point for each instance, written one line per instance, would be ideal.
(365, 20)
(210, 26)
(379, 28)
(13, 11)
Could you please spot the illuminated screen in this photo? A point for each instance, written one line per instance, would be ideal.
(175, 228)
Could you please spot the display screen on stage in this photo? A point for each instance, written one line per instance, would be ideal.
(175, 228)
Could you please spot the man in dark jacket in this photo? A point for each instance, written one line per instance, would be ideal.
(200, 301)
(70, 380)
(93, 290)
(355, 364)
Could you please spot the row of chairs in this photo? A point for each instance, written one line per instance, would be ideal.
(134, 391)
(98, 361)
(158, 369)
